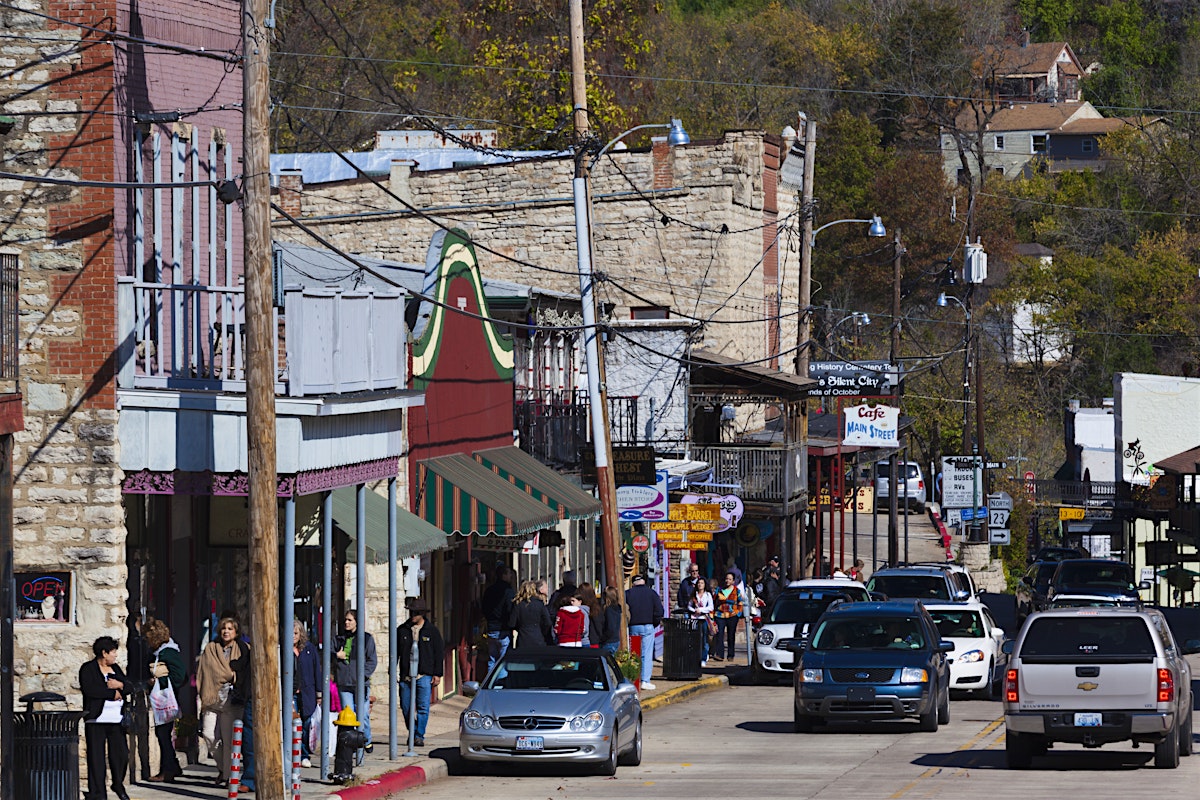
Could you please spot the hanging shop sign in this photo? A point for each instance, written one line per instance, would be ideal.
(731, 505)
(871, 426)
(688, 517)
(852, 378)
(644, 503)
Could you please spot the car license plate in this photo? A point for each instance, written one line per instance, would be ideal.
(530, 742)
(860, 694)
(1091, 720)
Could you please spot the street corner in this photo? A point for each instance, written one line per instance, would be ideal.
(393, 782)
(677, 693)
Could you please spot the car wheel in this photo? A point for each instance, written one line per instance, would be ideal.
(1166, 752)
(943, 712)
(928, 723)
(1018, 750)
(1185, 737)
(633, 756)
(609, 767)
(801, 723)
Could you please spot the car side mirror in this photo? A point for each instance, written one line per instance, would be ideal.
(962, 595)
(1008, 647)
(470, 688)
(1190, 647)
(998, 633)
(946, 646)
(1025, 580)
(1144, 586)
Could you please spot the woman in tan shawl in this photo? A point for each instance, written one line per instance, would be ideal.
(214, 680)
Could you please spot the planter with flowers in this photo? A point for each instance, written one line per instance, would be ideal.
(631, 666)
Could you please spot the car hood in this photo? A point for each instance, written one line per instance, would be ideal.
(509, 702)
(896, 658)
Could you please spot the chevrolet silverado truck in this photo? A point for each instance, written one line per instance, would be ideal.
(1097, 676)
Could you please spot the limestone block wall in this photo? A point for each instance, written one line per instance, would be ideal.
(677, 227)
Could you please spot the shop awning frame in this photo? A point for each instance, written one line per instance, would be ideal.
(461, 496)
(540, 482)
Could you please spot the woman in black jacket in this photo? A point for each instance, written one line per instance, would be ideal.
(101, 681)
(533, 625)
(612, 620)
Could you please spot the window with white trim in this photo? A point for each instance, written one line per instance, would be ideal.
(999, 142)
(1037, 142)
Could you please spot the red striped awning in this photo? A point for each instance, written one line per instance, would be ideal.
(461, 496)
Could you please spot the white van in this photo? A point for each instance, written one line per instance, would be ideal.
(914, 493)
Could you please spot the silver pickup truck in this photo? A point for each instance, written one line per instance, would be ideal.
(1095, 676)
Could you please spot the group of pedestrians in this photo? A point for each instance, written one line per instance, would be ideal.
(721, 603)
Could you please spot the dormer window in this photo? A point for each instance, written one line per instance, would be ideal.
(999, 142)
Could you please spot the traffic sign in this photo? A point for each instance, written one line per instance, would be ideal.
(996, 465)
(998, 517)
(641, 543)
(999, 536)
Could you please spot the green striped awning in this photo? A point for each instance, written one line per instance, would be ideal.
(414, 535)
(461, 496)
(539, 481)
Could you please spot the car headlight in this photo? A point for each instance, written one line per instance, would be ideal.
(476, 721)
(970, 657)
(589, 723)
(765, 637)
(812, 676)
(914, 675)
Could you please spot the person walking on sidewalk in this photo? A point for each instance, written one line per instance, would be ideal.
(534, 628)
(214, 682)
(727, 611)
(645, 614)
(430, 665)
(103, 686)
(701, 607)
(612, 620)
(687, 586)
(347, 673)
(306, 696)
(167, 668)
(571, 623)
(497, 607)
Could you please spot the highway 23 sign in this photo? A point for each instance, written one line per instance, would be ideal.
(1000, 506)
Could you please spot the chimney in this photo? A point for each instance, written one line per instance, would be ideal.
(1025, 37)
(291, 191)
(402, 170)
(664, 172)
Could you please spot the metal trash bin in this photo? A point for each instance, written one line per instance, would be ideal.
(46, 750)
(682, 646)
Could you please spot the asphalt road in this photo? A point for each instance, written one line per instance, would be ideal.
(738, 742)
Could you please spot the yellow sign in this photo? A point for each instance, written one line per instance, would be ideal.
(684, 546)
(866, 499)
(683, 527)
(684, 517)
(1070, 513)
(690, 536)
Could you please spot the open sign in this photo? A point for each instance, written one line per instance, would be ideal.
(42, 592)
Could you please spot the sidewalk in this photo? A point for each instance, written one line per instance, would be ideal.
(379, 777)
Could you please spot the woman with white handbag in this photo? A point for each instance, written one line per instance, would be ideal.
(103, 686)
(167, 668)
(214, 682)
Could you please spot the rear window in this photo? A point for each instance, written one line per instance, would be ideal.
(1087, 638)
(924, 587)
(883, 470)
(1106, 575)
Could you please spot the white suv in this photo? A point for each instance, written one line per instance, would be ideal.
(911, 495)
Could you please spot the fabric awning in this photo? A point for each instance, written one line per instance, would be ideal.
(414, 535)
(542, 483)
(460, 495)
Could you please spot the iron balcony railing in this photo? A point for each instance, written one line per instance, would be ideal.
(553, 425)
(766, 474)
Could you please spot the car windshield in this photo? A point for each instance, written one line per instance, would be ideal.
(1073, 637)
(1100, 575)
(549, 674)
(925, 587)
(869, 633)
(958, 624)
(797, 608)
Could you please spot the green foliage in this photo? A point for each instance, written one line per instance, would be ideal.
(1050, 20)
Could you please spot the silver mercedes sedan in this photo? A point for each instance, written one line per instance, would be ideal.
(565, 705)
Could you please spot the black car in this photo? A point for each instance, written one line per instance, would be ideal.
(1057, 553)
(872, 661)
(1096, 576)
(1033, 590)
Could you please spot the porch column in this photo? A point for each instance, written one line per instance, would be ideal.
(393, 669)
(360, 601)
(287, 613)
(326, 621)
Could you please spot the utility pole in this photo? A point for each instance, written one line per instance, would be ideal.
(260, 404)
(893, 358)
(597, 396)
(807, 212)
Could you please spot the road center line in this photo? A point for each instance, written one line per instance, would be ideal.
(929, 773)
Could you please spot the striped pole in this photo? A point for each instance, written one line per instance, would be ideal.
(235, 760)
(296, 752)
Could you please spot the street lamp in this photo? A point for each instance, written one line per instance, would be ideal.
(943, 300)
(597, 394)
(875, 229)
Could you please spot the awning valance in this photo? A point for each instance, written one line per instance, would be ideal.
(460, 495)
(539, 481)
(414, 535)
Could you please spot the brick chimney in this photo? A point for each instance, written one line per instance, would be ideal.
(291, 188)
(664, 166)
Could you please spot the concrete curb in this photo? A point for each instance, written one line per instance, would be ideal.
(681, 692)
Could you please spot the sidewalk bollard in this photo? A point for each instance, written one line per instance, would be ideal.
(296, 728)
(235, 760)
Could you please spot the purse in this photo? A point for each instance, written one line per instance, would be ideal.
(712, 626)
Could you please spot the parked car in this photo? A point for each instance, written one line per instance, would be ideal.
(553, 705)
(951, 566)
(1095, 676)
(1092, 601)
(978, 661)
(1033, 589)
(929, 584)
(1096, 576)
(1057, 553)
(871, 661)
(913, 493)
(788, 619)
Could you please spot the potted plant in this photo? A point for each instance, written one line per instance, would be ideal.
(631, 666)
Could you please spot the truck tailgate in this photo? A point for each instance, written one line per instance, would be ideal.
(1102, 686)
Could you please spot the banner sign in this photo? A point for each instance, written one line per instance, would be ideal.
(871, 426)
(731, 505)
(643, 503)
(852, 379)
(686, 517)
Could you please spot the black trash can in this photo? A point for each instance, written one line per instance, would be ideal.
(682, 647)
(46, 750)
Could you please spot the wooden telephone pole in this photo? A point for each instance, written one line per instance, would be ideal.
(260, 404)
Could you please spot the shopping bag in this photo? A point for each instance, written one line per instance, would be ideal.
(314, 732)
(163, 704)
(332, 738)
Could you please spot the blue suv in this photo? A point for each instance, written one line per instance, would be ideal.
(872, 661)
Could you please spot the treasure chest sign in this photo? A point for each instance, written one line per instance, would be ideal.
(690, 526)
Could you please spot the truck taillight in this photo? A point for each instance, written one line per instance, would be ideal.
(1011, 695)
(1166, 686)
